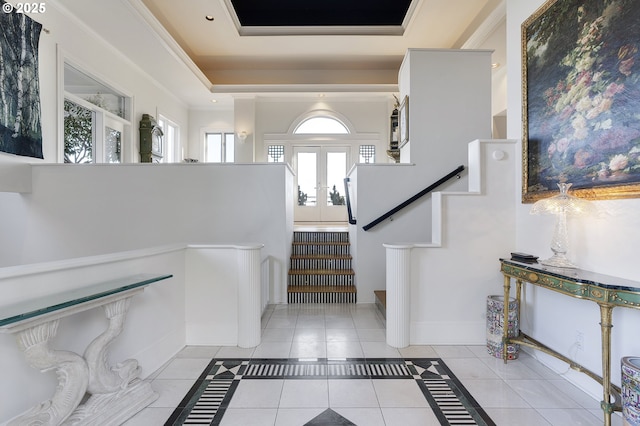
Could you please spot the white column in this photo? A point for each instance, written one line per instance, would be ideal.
(249, 296)
(398, 294)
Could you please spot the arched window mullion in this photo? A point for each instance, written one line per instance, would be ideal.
(321, 124)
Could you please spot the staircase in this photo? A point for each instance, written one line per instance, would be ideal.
(320, 268)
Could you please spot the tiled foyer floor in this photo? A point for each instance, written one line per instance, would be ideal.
(522, 393)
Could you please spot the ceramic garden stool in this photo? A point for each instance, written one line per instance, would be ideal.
(631, 391)
(495, 319)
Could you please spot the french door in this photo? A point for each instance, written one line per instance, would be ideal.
(320, 173)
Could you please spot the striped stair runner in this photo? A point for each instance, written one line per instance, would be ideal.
(320, 268)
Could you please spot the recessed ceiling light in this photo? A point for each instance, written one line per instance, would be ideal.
(209, 18)
(213, 101)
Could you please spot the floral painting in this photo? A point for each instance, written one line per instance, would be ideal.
(20, 128)
(581, 75)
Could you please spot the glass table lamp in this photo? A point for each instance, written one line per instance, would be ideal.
(561, 205)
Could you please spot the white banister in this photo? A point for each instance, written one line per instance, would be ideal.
(398, 294)
(249, 296)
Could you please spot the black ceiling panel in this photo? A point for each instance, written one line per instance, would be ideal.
(291, 13)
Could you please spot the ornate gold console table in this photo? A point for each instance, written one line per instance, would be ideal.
(607, 291)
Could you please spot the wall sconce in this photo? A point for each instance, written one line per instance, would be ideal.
(242, 136)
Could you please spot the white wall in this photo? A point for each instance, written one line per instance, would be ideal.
(605, 245)
(449, 106)
(85, 210)
(368, 116)
(451, 280)
(214, 119)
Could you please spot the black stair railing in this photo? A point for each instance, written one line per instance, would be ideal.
(352, 220)
(419, 195)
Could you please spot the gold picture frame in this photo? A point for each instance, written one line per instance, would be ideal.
(580, 81)
(403, 122)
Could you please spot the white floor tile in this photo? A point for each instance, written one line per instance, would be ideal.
(278, 334)
(480, 351)
(305, 394)
(584, 399)
(344, 350)
(234, 352)
(517, 416)
(249, 417)
(372, 335)
(257, 394)
(150, 416)
(352, 393)
(272, 350)
(342, 335)
(308, 350)
(310, 323)
(379, 350)
(309, 335)
(198, 352)
(362, 416)
(409, 417)
(494, 393)
(542, 394)
(339, 323)
(470, 368)
(511, 370)
(418, 352)
(399, 393)
(453, 351)
(184, 368)
(296, 416)
(170, 392)
(576, 417)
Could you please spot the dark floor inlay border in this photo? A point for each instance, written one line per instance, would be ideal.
(206, 402)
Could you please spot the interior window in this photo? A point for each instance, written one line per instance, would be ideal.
(321, 125)
(95, 119)
(219, 147)
(275, 154)
(367, 154)
(170, 140)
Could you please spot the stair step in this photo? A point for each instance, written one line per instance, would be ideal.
(325, 262)
(321, 243)
(322, 249)
(321, 294)
(322, 256)
(321, 272)
(381, 301)
(320, 268)
(321, 289)
(320, 236)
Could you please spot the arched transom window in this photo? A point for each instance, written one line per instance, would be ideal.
(321, 125)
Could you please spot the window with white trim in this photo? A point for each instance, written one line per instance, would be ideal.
(219, 147)
(275, 154)
(367, 154)
(170, 139)
(95, 117)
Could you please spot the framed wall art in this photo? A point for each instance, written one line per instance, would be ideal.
(581, 99)
(20, 116)
(403, 122)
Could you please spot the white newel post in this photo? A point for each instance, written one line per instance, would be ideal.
(398, 294)
(249, 299)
